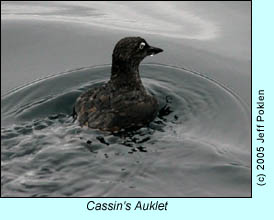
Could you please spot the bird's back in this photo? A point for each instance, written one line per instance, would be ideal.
(110, 109)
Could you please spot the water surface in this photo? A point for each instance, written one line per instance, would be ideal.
(199, 145)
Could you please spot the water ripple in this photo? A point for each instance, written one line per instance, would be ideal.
(166, 19)
(199, 145)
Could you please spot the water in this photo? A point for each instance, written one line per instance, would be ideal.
(192, 143)
(199, 145)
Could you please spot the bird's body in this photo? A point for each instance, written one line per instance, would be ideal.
(122, 102)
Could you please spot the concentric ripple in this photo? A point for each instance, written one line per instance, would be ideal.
(199, 145)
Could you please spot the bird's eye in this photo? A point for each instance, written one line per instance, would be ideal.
(142, 45)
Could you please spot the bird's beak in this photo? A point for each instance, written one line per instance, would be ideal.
(154, 50)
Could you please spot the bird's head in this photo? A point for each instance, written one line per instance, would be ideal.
(133, 50)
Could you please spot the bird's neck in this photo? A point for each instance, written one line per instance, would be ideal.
(126, 75)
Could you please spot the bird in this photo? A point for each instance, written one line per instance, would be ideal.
(122, 103)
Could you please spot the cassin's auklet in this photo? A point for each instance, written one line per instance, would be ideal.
(122, 102)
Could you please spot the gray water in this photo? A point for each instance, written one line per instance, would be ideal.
(199, 145)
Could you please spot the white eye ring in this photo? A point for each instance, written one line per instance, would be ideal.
(142, 45)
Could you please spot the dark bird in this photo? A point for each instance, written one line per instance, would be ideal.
(123, 102)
